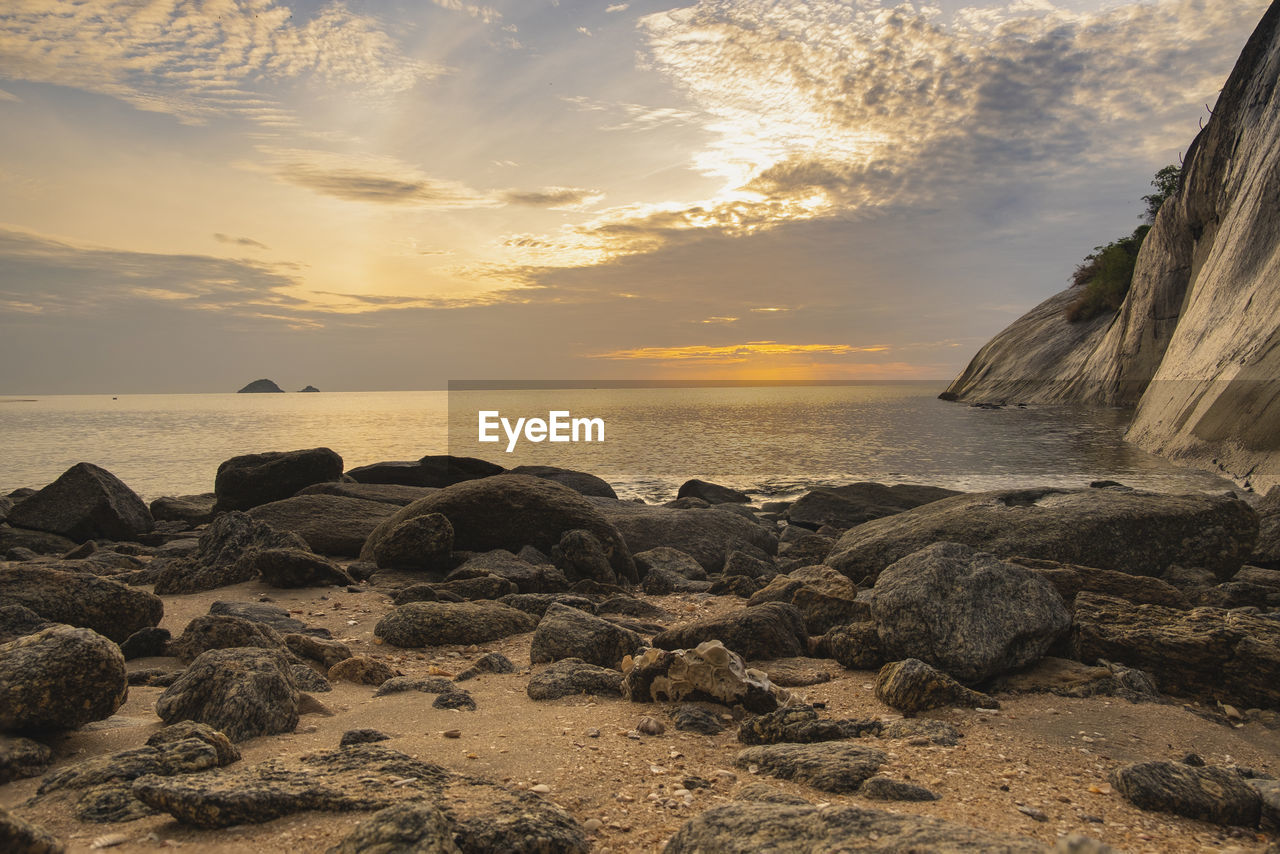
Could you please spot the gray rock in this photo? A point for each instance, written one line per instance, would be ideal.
(580, 555)
(527, 577)
(146, 643)
(309, 680)
(772, 630)
(18, 620)
(320, 650)
(430, 471)
(690, 718)
(421, 624)
(243, 692)
(566, 632)
(409, 828)
(659, 581)
(538, 603)
(712, 493)
(1071, 580)
(224, 556)
(217, 631)
(490, 662)
(1067, 678)
(328, 524)
(669, 560)
(427, 685)
(510, 512)
(966, 612)
(911, 686)
(570, 676)
(763, 793)
(741, 563)
(19, 836)
(190, 509)
(17, 540)
(21, 758)
(881, 788)
(630, 606)
(60, 678)
(387, 493)
(1134, 532)
(80, 599)
(706, 535)
(290, 568)
(362, 736)
(86, 502)
(800, 724)
(830, 766)
(747, 828)
(422, 542)
(254, 479)
(845, 507)
(855, 646)
(454, 698)
(260, 612)
(362, 670)
(578, 481)
(922, 731)
(1217, 795)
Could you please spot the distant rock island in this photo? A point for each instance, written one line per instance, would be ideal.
(262, 387)
(309, 388)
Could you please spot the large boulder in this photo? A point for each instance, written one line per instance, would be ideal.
(579, 481)
(245, 482)
(433, 471)
(565, 632)
(329, 524)
(912, 686)
(830, 766)
(60, 678)
(1218, 795)
(1070, 581)
(772, 630)
(85, 503)
(1231, 656)
(244, 692)
(190, 509)
(510, 512)
(570, 676)
(712, 493)
(222, 631)
(286, 568)
(387, 493)
(224, 555)
(419, 624)
(527, 577)
(966, 612)
(80, 599)
(847, 506)
(1135, 532)
(707, 535)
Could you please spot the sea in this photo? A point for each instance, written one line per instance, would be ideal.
(774, 441)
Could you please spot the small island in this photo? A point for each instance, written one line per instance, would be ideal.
(261, 387)
(309, 389)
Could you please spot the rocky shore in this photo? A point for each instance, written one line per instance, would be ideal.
(442, 655)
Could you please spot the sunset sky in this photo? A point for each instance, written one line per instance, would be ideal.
(389, 195)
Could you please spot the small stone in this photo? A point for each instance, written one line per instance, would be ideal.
(541, 789)
(592, 825)
(651, 726)
(453, 733)
(1033, 813)
(593, 733)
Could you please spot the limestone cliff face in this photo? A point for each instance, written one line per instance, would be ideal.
(1195, 345)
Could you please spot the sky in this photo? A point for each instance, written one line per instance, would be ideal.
(395, 194)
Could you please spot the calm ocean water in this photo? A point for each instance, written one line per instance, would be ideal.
(777, 440)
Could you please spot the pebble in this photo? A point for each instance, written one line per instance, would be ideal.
(1033, 813)
(111, 839)
(593, 733)
(591, 825)
(453, 733)
(541, 789)
(651, 726)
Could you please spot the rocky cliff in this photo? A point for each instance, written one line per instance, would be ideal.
(1194, 346)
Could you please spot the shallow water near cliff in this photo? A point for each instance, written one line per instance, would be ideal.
(776, 441)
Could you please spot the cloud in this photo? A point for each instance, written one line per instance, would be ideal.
(719, 319)
(632, 117)
(487, 14)
(239, 241)
(584, 31)
(354, 185)
(10, 97)
(735, 352)
(556, 198)
(617, 7)
(198, 60)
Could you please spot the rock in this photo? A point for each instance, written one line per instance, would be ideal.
(526, 577)
(362, 736)
(922, 730)
(362, 670)
(845, 507)
(630, 606)
(1067, 678)
(432, 471)
(190, 509)
(21, 758)
(261, 387)
(454, 698)
(880, 788)
(85, 503)
(309, 681)
(667, 559)
(243, 692)
(855, 646)
(712, 493)
(763, 793)
(401, 684)
(800, 724)
(690, 718)
(329, 524)
(510, 512)
(16, 540)
(251, 480)
(705, 535)
(268, 615)
(570, 676)
(290, 568)
(436, 623)
(493, 818)
(422, 542)
(19, 836)
(18, 620)
(742, 563)
(1217, 795)
(408, 828)
(417, 593)
(966, 612)
(659, 581)
(224, 555)
(1070, 580)
(184, 748)
(60, 678)
(538, 603)
(578, 481)
(322, 651)
(1134, 532)
(733, 585)
(1266, 552)
(490, 662)
(216, 631)
(772, 630)
(749, 827)
(795, 672)
(1269, 795)
(823, 579)
(911, 687)
(710, 673)
(1208, 652)
(829, 766)
(146, 643)
(387, 493)
(580, 555)
(807, 549)
(566, 632)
